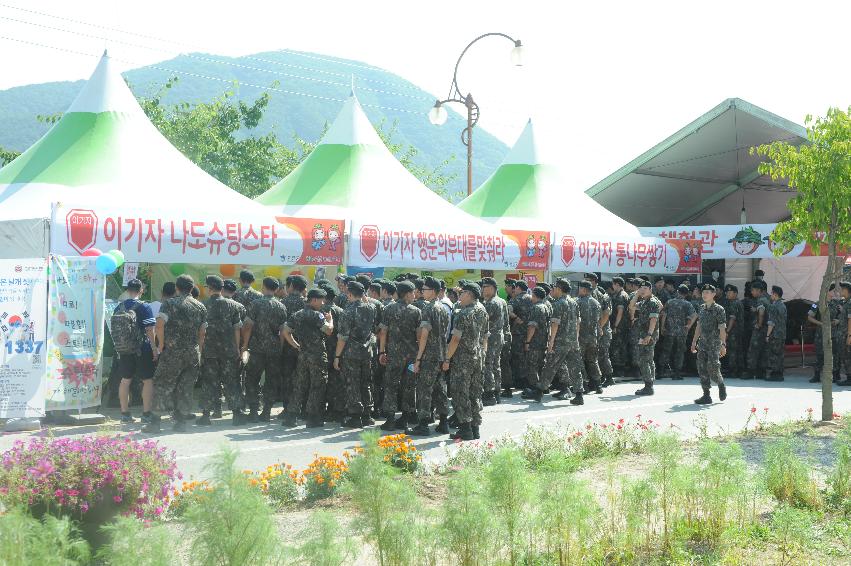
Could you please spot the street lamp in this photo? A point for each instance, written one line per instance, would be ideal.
(438, 115)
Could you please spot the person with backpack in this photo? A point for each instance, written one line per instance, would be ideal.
(132, 328)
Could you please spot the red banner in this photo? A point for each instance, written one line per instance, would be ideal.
(534, 248)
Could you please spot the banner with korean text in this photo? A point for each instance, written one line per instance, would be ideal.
(393, 245)
(74, 334)
(252, 237)
(23, 325)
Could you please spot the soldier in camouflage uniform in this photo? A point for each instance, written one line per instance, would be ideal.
(604, 338)
(537, 339)
(463, 361)
(776, 334)
(398, 348)
(220, 354)
(757, 353)
(246, 294)
(589, 329)
(647, 322)
(844, 332)
(735, 312)
(388, 292)
(677, 317)
(354, 355)
(342, 291)
(431, 353)
(180, 328)
(336, 391)
(834, 309)
(306, 331)
(709, 343)
(496, 309)
(521, 307)
(505, 355)
(261, 336)
(634, 332)
(293, 301)
(620, 328)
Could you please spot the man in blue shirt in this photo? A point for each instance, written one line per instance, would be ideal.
(140, 363)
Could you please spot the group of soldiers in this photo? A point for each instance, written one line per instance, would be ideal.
(359, 349)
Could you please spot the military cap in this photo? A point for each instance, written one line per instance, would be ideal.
(355, 287)
(510, 282)
(708, 287)
(563, 284)
(590, 277)
(490, 281)
(522, 284)
(645, 283)
(539, 292)
(429, 283)
(317, 293)
(683, 288)
(546, 287)
(777, 290)
(731, 287)
(389, 286)
(404, 287)
(585, 285)
(229, 285)
(618, 280)
(214, 282)
(473, 288)
(363, 280)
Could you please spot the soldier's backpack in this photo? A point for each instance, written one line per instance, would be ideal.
(126, 334)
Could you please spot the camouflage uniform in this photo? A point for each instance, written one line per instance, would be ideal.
(735, 359)
(678, 311)
(401, 322)
(436, 320)
(647, 309)
(220, 356)
(177, 369)
(521, 306)
(711, 320)
(477, 385)
(604, 342)
(492, 372)
(842, 334)
(293, 302)
(777, 340)
(565, 356)
(377, 371)
(634, 333)
(757, 353)
(307, 327)
(505, 354)
(268, 316)
(470, 326)
(356, 328)
(336, 391)
(247, 295)
(341, 300)
(589, 321)
(834, 307)
(620, 335)
(538, 346)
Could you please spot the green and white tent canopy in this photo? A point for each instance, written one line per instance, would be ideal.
(525, 192)
(103, 151)
(352, 175)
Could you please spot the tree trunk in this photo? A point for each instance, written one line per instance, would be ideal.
(831, 272)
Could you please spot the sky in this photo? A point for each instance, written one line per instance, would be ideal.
(602, 81)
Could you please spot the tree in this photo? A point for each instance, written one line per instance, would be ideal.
(820, 212)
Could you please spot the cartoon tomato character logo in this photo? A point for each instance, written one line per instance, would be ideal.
(530, 246)
(318, 237)
(746, 241)
(333, 237)
(542, 247)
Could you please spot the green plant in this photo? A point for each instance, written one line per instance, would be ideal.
(639, 507)
(510, 487)
(322, 544)
(128, 536)
(568, 514)
(234, 525)
(721, 475)
(792, 529)
(788, 477)
(666, 453)
(322, 477)
(468, 524)
(49, 542)
(279, 483)
(839, 480)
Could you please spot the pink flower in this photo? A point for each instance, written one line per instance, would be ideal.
(84, 507)
(753, 409)
(116, 498)
(58, 493)
(73, 493)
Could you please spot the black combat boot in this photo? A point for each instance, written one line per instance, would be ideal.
(453, 421)
(506, 393)
(816, 378)
(366, 420)
(252, 415)
(178, 423)
(475, 430)
(465, 432)
(594, 387)
(421, 429)
(722, 391)
(352, 421)
(442, 426)
(495, 395)
(390, 423)
(536, 395)
(562, 394)
(266, 415)
(846, 382)
(238, 418)
(577, 399)
(290, 419)
(608, 381)
(217, 411)
(527, 393)
(646, 390)
(706, 399)
(488, 399)
(314, 421)
(153, 427)
(204, 419)
(676, 375)
(774, 376)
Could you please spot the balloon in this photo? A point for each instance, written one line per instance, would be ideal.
(227, 270)
(118, 255)
(311, 274)
(106, 264)
(177, 269)
(274, 271)
(91, 252)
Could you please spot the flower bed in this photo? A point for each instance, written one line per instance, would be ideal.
(400, 452)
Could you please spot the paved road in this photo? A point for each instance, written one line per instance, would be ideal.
(261, 445)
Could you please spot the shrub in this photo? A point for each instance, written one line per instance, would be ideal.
(72, 476)
(666, 452)
(792, 529)
(467, 521)
(400, 452)
(279, 483)
(49, 542)
(613, 438)
(788, 477)
(322, 477)
(135, 544)
(839, 480)
(186, 495)
(322, 546)
(509, 487)
(568, 516)
(234, 525)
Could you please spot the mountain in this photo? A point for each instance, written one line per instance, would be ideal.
(310, 92)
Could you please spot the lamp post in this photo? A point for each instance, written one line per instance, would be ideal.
(438, 115)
